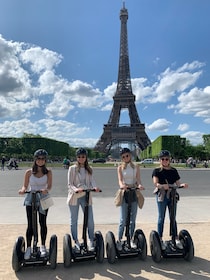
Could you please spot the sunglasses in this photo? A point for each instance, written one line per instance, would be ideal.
(166, 159)
(125, 156)
(81, 156)
(41, 158)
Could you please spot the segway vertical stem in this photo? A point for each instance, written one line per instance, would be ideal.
(85, 223)
(172, 215)
(34, 221)
(128, 218)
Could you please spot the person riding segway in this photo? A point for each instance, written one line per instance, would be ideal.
(80, 185)
(36, 186)
(167, 180)
(84, 252)
(130, 185)
(36, 255)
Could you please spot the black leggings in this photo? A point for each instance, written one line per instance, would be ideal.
(43, 226)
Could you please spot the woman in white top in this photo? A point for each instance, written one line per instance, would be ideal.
(80, 177)
(128, 175)
(38, 178)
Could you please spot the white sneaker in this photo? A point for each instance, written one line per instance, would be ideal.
(43, 250)
(119, 245)
(91, 246)
(133, 245)
(163, 245)
(179, 244)
(77, 246)
(27, 254)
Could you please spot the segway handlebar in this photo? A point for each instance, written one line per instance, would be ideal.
(90, 190)
(33, 191)
(173, 186)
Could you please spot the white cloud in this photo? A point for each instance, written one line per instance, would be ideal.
(183, 127)
(172, 81)
(60, 130)
(29, 84)
(195, 137)
(160, 124)
(195, 102)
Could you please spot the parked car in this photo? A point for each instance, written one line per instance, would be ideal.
(147, 161)
(99, 160)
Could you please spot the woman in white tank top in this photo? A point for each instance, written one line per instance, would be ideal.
(128, 175)
(39, 178)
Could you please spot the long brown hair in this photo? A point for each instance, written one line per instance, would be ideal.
(86, 166)
(35, 168)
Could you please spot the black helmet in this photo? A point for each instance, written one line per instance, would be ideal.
(125, 150)
(164, 153)
(40, 152)
(81, 151)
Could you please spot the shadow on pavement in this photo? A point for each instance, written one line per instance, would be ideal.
(123, 269)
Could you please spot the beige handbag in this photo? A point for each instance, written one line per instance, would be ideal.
(140, 199)
(46, 202)
(119, 197)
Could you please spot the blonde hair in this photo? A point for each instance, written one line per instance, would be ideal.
(124, 165)
(169, 165)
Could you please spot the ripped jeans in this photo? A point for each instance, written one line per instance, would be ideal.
(74, 211)
(162, 206)
(123, 217)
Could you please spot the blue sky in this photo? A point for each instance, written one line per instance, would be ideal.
(59, 67)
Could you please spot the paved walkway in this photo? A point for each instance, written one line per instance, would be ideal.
(193, 215)
(190, 210)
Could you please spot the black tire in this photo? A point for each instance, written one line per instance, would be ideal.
(9, 167)
(18, 253)
(155, 246)
(140, 240)
(110, 247)
(53, 251)
(188, 245)
(99, 247)
(67, 250)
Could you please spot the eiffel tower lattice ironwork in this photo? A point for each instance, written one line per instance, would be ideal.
(115, 133)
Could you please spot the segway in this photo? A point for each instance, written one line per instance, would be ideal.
(127, 251)
(70, 254)
(172, 251)
(18, 260)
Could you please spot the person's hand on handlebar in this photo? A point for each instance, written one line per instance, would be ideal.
(22, 191)
(183, 185)
(140, 187)
(97, 189)
(44, 191)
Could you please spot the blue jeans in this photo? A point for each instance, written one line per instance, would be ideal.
(162, 206)
(123, 217)
(74, 210)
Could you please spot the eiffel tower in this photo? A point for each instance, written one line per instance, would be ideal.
(114, 133)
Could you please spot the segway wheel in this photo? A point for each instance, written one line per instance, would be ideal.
(140, 240)
(110, 247)
(188, 245)
(99, 247)
(155, 246)
(67, 250)
(18, 253)
(53, 252)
